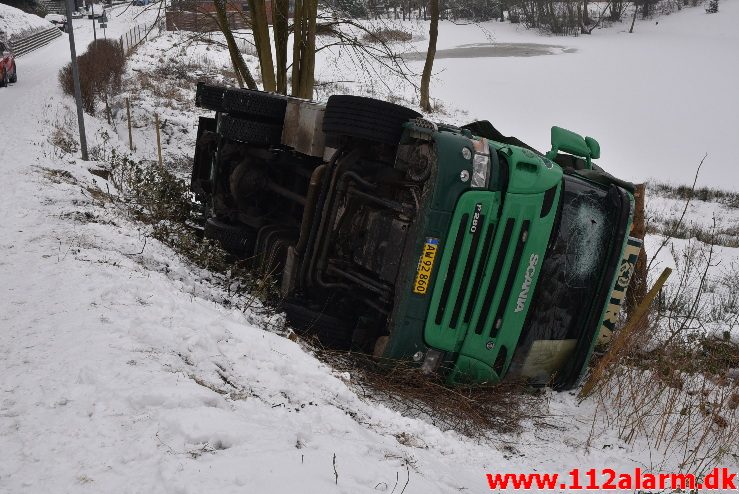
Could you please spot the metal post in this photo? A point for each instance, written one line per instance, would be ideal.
(94, 33)
(76, 79)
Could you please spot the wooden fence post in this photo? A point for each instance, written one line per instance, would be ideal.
(159, 141)
(638, 286)
(130, 135)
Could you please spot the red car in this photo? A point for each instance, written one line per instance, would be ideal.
(8, 72)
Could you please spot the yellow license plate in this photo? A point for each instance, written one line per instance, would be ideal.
(426, 266)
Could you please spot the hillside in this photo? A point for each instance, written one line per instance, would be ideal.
(16, 23)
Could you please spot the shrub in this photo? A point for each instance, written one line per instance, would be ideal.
(101, 72)
(712, 7)
(387, 35)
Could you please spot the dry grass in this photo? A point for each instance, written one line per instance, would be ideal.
(673, 386)
(59, 176)
(726, 236)
(472, 410)
(387, 35)
(685, 192)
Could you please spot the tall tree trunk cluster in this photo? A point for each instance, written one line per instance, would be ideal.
(274, 66)
(274, 69)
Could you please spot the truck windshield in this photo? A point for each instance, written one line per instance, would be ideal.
(570, 278)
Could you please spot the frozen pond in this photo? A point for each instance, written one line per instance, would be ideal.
(488, 50)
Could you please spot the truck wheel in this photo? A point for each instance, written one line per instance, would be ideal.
(209, 97)
(330, 330)
(14, 77)
(4, 79)
(257, 105)
(235, 239)
(365, 118)
(249, 131)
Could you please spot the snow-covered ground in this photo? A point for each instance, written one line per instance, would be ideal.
(121, 370)
(657, 100)
(14, 22)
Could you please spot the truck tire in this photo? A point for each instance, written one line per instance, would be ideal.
(4, 79)
(209, 97)
(14, 77)
(249, 131)
(331, 331)
(257, 105)
(235, 239)
(365, 118)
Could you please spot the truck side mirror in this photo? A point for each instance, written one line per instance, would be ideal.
(574, 144)
(594, 147)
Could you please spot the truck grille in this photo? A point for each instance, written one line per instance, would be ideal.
(515, 264)
(466, 299)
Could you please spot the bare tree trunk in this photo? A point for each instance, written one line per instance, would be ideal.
(633, 19)
(430, 54)
(243, 75)
(308, 57)
(297, 44)
(304, 48)
(260, 29)
(280, 13)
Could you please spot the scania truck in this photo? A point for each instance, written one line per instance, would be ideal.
(456, 248)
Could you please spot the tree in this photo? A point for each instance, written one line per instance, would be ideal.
(341, 30)
(280, 15)
(304, 48)
(430, 54)
(243, 75)
(260, 30)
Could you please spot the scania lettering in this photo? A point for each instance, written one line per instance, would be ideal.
(530, 271)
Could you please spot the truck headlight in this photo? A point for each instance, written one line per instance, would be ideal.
(480, 163)
(480, 169)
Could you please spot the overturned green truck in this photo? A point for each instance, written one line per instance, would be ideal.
(460, 249)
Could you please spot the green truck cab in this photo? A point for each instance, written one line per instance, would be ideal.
(462, 250)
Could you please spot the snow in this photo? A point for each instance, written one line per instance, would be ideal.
(16, 23)
(123, 370)
(657, 100)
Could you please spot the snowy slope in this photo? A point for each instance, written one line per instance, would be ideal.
(121, 370)
(14, 22)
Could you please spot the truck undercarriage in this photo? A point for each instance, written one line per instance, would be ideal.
(387, 234)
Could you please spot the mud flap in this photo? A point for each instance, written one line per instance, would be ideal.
(204, 149)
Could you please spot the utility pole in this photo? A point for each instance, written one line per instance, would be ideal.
(94, 33)
(76, 79)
